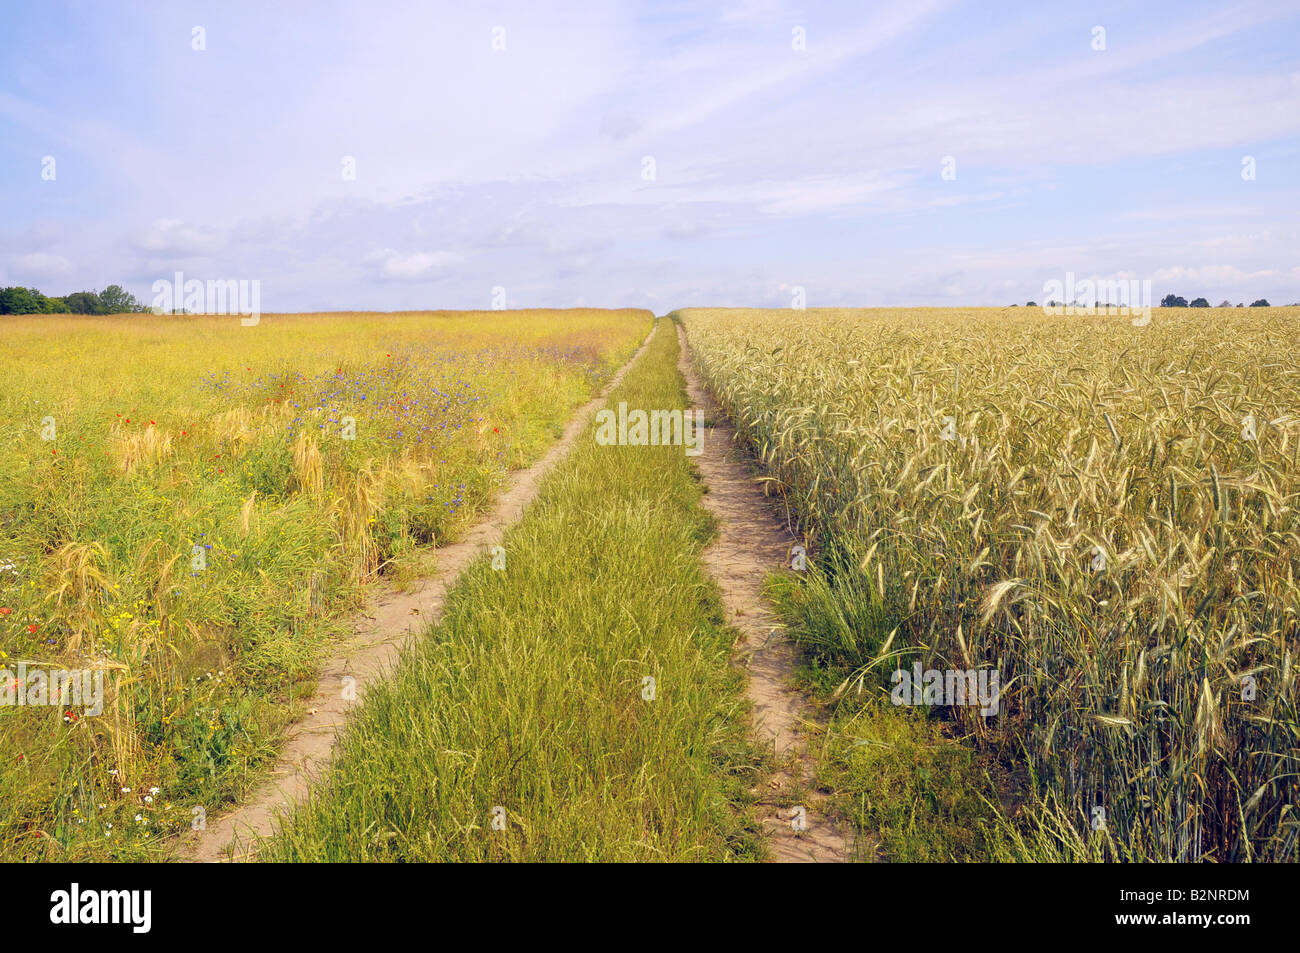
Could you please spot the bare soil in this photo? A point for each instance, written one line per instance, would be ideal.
(753, 541)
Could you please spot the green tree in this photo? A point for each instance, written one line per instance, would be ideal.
(1261, 303)
(19, 300)
(84, 302)
(115, 300)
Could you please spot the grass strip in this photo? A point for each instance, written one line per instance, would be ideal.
(524, 727)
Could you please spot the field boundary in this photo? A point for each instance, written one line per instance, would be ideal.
(389, 622)
(751, 542)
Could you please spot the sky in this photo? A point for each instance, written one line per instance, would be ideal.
(655, 154)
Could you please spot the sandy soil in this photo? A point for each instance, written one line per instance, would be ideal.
(753, 541)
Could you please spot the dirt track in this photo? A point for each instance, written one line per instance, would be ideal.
(751, 542)
(389, 621)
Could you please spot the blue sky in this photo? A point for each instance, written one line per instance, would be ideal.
(774, 167)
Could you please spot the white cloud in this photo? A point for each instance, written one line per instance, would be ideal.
(37, 266)
(416, 266)
(169, 236)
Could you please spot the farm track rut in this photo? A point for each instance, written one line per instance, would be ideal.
(752, 541)
(389, 622)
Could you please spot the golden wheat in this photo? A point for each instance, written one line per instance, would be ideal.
(1105, 513)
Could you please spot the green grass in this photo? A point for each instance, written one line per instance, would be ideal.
(528, 696)
(912, 787)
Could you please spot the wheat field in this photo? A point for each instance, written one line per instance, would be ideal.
(1105, 514)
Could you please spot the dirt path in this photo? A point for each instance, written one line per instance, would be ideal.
(752, 541)
(390, 620)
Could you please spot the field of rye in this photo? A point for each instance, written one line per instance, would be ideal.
(1104, 514)
(196, 507)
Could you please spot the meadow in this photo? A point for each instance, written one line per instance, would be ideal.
(1104, 514)
(197, 507)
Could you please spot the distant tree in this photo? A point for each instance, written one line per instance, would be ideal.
(1240, 305)
(85, 302)
(53, 305)
(1225, 304)
(1173, 301)
(1030, 304)
(19, 300)
(112, 300)
(115, 300)
(1199, 303)
(1261, 303)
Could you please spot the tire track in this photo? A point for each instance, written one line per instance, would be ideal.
(751, 542)
(388, 623)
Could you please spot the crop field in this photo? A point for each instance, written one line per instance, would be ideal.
(1084, 529)
(196, 508)
(1103, 515)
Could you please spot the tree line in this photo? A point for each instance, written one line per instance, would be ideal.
(1176, 301)
(112, 300)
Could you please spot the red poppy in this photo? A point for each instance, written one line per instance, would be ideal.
(33, 627)
(5, 611)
